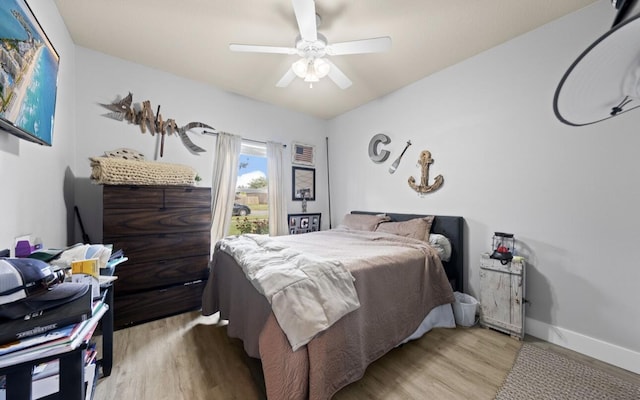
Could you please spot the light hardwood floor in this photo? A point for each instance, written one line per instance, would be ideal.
(189, 356)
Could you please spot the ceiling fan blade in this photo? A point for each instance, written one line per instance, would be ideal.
(375, 45)
(337, 76)
(305, 11)
(249, 48)
(286, 79)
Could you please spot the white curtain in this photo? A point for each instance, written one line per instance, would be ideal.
(223, 183)
(277, 194)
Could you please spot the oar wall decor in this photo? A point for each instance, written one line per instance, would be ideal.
(395, 164)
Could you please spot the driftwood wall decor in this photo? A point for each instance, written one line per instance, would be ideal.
(425, 161)
(145, 118)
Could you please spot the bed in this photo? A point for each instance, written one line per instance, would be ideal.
(393, 307)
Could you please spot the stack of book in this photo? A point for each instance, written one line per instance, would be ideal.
(107, 273)
(55, 331)
(51, 321)
(46, 376)
(55, 341)
(45, 321)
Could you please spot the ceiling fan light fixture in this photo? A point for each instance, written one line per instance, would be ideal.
(300, 67)
(311, 69)
(321, 67)
(311, 76)
(311, 46)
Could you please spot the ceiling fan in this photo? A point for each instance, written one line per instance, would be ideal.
(312, 48)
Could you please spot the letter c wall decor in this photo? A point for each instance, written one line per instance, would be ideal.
(373, 148)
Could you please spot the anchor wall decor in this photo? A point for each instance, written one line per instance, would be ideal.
(122, 109)
(425, 161)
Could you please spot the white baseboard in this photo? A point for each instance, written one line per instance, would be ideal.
(596, 348)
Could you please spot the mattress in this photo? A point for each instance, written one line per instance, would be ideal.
(399, 282)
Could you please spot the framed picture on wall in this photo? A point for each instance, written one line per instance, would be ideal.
(303, 223)
(303, 154)
(303, 183)
(28, 75)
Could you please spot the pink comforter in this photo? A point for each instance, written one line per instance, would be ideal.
(398, 281)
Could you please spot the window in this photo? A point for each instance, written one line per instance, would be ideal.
(251, 208)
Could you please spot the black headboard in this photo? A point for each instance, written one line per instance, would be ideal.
(452, 228)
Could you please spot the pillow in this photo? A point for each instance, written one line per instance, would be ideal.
(442, 245)
(417, 228)
(363, 222)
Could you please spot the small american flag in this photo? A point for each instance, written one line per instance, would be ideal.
(303, 154)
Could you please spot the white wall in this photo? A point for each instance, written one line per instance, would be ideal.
(36, 194)
(102, 78)
(569, 195)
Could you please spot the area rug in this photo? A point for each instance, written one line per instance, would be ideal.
(541, 374)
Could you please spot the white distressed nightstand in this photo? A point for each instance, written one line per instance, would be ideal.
(502, 295)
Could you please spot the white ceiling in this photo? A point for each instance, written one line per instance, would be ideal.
(190, 38)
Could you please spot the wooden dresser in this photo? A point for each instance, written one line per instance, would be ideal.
(165, 233)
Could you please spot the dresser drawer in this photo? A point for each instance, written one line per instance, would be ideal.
(135, 277)
(150, 305)
(123, 222)
(187, 197)
(117, 196)
(152, 197)
(169, 246)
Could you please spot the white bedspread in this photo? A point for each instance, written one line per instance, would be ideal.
(307, 293)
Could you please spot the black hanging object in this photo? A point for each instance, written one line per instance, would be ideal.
(607, 71)
(503, 247)
(85, 236)
(619, 108)
(623, 7)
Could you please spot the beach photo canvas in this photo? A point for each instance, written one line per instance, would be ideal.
(28, 74)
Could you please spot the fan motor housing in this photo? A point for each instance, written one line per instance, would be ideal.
(311, 49)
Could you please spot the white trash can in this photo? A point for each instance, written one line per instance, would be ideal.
(464, 309)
